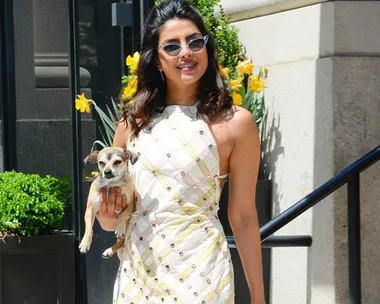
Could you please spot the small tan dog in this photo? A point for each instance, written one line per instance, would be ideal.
(113, 166)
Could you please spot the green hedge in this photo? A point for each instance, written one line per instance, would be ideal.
(31, 204)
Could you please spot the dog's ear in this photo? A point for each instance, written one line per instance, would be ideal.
(92, 157)
(131, 156)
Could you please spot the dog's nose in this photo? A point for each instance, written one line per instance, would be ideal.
(108, 173)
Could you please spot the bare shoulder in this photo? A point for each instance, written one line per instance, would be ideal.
(236, 133)
(238, 121)
(242, 120)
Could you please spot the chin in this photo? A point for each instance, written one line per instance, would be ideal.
(191, 78)
(186, 78)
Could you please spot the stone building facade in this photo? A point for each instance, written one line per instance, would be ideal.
(323, 97)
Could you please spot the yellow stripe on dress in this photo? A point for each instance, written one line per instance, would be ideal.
(223, 283)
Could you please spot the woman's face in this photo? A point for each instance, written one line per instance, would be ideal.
(187, 67)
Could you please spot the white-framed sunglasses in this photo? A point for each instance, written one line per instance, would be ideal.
(194, 45)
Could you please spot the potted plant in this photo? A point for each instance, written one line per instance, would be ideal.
(36, 261)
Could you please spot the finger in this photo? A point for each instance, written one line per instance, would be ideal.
(111, 201)
(103, 194)
(119, 200)
(102, 203)
(124, 201)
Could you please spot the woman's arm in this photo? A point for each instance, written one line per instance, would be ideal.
(244, 165)
(107, 217)
(121, 135)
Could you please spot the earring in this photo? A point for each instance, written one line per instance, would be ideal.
(162, 76)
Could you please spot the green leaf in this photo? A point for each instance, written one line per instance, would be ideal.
(124, 79)
(30, 204)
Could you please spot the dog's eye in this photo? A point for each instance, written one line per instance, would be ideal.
(101, 163)
(117, 162)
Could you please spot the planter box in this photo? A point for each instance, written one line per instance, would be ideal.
(37, 270)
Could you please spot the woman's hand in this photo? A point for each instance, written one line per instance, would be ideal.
(110, 207)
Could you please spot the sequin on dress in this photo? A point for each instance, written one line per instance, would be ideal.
(175, 250)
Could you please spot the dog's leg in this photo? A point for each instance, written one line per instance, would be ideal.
(111, 251)
(121, 225)
(89, 219)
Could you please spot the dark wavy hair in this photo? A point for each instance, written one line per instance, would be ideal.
(151, 89)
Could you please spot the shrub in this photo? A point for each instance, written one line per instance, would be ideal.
(64, 190)
(230, 49)
(29, 203)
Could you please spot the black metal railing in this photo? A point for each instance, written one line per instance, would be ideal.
(349, 176)
(279, 241)
(7, 84)
(78, 206)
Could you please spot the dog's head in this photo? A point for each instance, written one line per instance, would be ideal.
(112, 161)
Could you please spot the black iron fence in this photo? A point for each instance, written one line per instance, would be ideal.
(351, 177)
(7, 85)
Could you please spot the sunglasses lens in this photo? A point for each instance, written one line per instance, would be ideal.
(196, 45)
(172, 49)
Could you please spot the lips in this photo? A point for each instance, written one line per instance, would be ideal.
(187, 66)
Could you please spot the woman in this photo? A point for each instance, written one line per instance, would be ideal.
(187, 136)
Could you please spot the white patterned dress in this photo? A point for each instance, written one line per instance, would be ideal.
(175, 250)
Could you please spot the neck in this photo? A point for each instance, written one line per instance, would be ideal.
(181, 95)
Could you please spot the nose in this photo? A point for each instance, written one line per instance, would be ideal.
(107, 173)
(185, 52)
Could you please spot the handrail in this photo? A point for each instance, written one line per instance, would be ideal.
(350, 175)
(318, 194)
(279, 241)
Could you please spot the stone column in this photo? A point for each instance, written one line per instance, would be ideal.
(44, 139)
(324, 113)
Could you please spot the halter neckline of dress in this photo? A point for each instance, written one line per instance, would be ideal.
(192, 109)
(183, 105)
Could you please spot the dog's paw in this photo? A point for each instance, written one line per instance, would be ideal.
(107, 253)
(120, 230)
(85, 245)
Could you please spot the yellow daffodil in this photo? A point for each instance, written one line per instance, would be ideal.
(224, 72)
(132, 62)
(248, 68)
(82, 104)
(130, 103)
(133, 81)
(131, 88)
(240, 69)
(236, 83)
(237, 99)
(244, 68)
(94, 173)
(265, 71)
(128, 91)
(256, 84)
